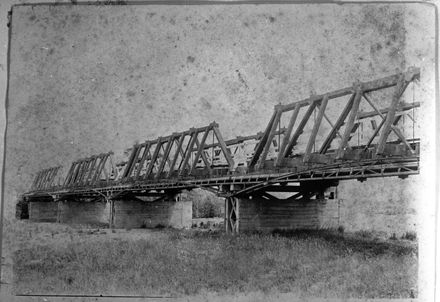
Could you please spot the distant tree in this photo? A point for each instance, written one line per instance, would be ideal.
(206, 204)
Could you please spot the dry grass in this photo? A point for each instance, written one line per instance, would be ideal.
(170, 262)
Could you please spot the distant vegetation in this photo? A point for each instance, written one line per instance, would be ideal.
(206, 204)
(410, 236)
(170, 262)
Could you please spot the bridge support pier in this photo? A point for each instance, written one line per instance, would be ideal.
(43, 210)
(77, 211)
(267, 211)
(70, 211)
(138, 213)
(127, 212)
(259, 214)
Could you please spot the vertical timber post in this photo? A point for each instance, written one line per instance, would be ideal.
(112, 213)
(58, 201)
(237, 215)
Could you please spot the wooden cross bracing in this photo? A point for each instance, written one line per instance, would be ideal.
(45, 178)
(231, 215)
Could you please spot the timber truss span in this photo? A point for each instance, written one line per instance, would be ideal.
(359, 132)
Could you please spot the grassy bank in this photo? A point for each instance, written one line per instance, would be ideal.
(190, 262)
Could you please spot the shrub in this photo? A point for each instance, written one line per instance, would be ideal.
(207, 207)
(364, 234)
(341, 229)
(409, 236)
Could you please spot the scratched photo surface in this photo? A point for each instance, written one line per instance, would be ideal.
(94, 89)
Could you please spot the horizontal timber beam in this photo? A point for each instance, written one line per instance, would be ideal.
(282, 188)
(403, 107)
(411, 74)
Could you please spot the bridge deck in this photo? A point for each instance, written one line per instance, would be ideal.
(360, 170)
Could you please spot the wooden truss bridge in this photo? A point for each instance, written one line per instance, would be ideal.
(359, 132)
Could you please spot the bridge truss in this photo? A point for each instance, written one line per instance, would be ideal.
(306, 146)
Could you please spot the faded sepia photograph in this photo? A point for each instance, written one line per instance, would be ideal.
(218, 151)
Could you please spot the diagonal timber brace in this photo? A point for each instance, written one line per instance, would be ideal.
(45, 179)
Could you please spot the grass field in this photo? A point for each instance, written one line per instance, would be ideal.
(180, 263)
